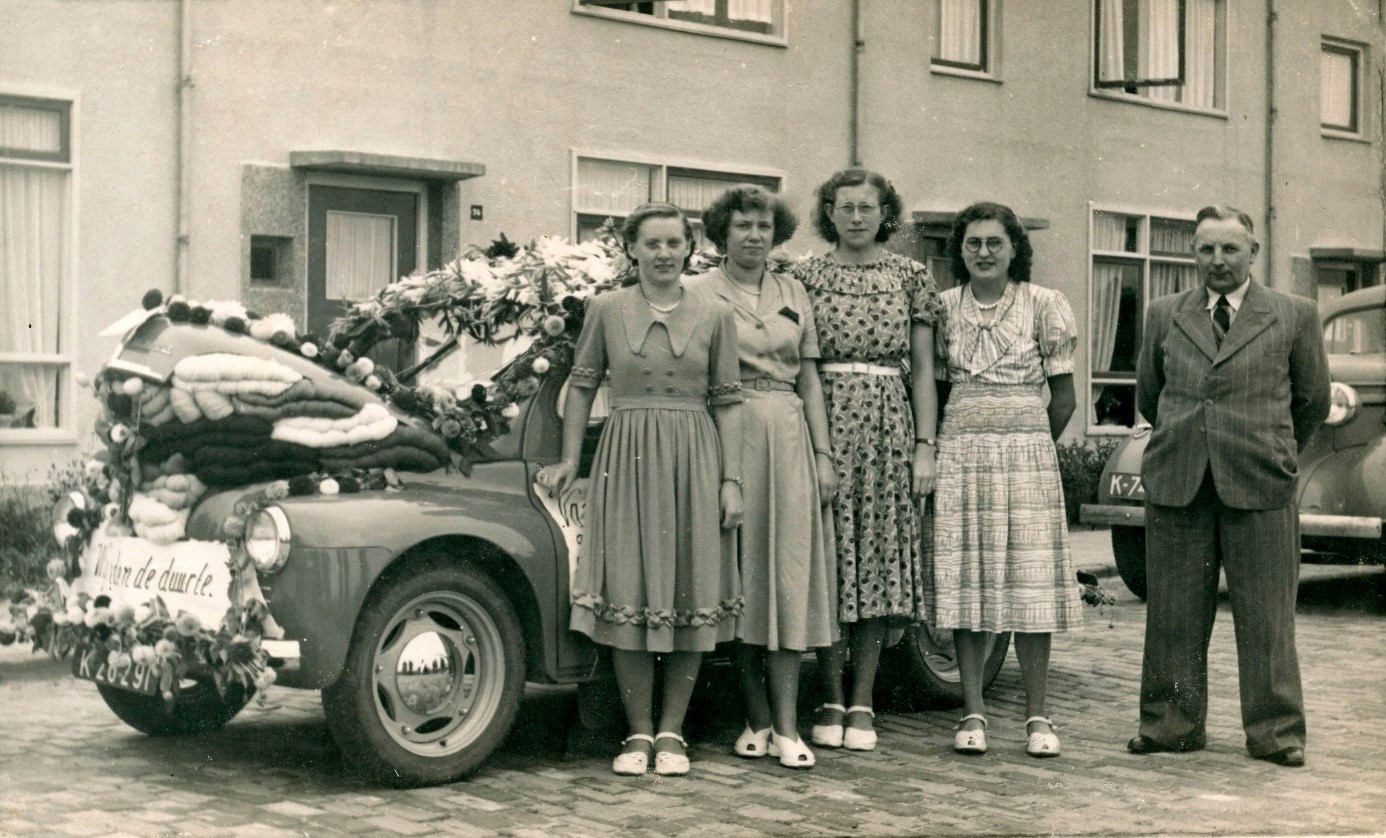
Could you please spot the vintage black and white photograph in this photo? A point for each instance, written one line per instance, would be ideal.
(692, 417)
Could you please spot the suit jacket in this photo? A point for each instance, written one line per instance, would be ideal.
(1243, 410)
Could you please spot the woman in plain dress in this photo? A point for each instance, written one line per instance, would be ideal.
(1001, 559)
(787, 572)
(875, 312)
(658, 577)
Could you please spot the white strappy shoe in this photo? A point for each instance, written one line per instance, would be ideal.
(752, 744)
(971, 741)
(632, 763)
(1041, 744)
(854, 739)
(829, 736)
(667, 764)
(793, 753)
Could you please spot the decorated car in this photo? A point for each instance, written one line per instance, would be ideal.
(274, 507)
(1342, 484)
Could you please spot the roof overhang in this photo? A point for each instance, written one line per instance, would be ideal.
(1347, 254)
(935, 218)
(385, 165)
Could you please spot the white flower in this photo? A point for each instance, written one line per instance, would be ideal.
(510, 411)
(373, 382)
(132, 386)
(142, 613)
(329, 487)
(94, 468)
(74, 615)
(142, 654)
(308, 350)
(540, 365)
(266, 327)
(119, 433)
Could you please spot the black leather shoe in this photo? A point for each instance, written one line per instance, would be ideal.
(1291, 757)
(1146, 745)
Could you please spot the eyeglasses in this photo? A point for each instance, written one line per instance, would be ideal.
(974, 245)
(864, 210)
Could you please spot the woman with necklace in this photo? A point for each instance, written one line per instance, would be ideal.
(1001, 559)
(658, 576)
(875, 313)
(787, 574)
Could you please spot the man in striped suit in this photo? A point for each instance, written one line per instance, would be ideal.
(1234, 379)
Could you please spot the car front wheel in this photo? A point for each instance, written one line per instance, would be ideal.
(432, 681)
(1128, 548)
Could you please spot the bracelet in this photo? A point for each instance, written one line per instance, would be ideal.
(926, 440)
(737, 480)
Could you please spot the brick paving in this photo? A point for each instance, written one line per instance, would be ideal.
(68, 767)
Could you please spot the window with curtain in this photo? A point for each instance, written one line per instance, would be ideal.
(1339, 86)
(612, 188)
(753, 17)
(35, 173)
(963, 33)
(1135, 258)
(1169, 51)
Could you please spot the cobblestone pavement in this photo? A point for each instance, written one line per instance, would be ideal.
(68, 767)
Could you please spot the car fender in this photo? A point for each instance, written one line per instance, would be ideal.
(1346, 482)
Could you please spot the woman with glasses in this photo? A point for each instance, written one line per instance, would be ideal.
(1000, 559)
(875, 313)
(787, 575)
(658, 576)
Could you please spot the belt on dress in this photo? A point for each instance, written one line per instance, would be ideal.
(857, 367)
(766, 384)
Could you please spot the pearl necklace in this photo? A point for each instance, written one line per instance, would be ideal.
(981, 306)
(663, 309)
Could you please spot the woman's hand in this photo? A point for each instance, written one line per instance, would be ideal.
(827, 476)
(556, 477)
(732, 506)
(925, 470)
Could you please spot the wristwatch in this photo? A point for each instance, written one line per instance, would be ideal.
(926, 440)
(737, 480)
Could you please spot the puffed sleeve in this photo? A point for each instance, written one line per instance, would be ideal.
(924, 303)
(808, 327)
(723, 365)
(1056, 332)
(589, 359)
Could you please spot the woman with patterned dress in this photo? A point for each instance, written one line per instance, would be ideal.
(658, 576)
(787, 575)
(1001, 559)
(875, 313)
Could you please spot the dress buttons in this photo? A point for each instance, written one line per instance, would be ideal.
(649, 372)
(669, 373)
(649, 388)
(760, 325)
(669, 389)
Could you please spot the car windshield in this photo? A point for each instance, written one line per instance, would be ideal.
(1356, 333)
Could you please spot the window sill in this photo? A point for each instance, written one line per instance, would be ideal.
(978, 75)
(1151, 103)
(1109, 430)
(681, 26)
(1336, 134)
(36, 436)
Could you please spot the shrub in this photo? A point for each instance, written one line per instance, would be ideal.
(26, 534)
(1080, 466)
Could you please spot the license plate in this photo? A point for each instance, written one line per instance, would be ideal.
(1126, 486)
(136, 677)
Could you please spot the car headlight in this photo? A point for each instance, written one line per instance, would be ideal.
(1343, 404)
(267, 539)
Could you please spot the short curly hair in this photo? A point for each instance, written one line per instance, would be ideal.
(892, 208)
(988, 211)
(747, 198)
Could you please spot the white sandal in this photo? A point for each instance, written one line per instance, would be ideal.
(752, 744)
(1041, 744)
(793, 753)
(854, 739)
(632, 763)
(829, 736)
(970, 741)
(668, 764)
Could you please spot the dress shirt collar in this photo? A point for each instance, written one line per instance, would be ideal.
(639, 318)
(1234, 297)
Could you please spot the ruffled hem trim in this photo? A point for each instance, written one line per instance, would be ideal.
(657, 617)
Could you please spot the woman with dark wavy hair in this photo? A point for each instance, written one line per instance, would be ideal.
(787, 574)
(657, 576)
(875, 313)
(1001, 558)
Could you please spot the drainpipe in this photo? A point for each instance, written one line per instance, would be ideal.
(854, 93)
(182, 164)
(1268, 234)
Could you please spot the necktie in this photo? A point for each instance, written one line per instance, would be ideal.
(1222, 318)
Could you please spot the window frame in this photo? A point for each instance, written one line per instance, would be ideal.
(989, 68)
(612, 10)
(67, 105)
(1145, 258)
(1222, 56)
(659, 180)
(1358, 54)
